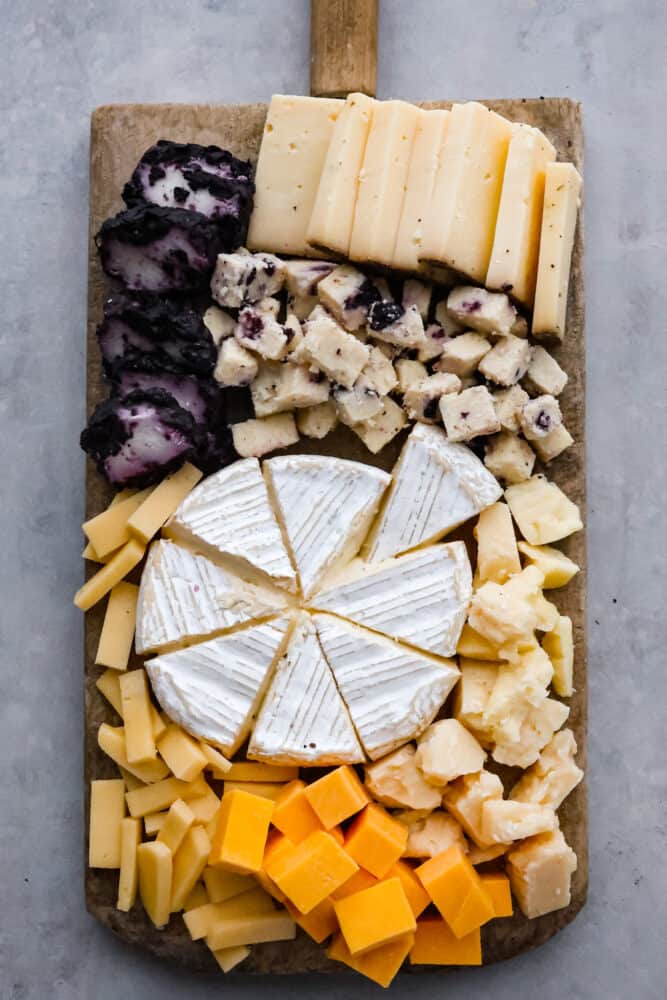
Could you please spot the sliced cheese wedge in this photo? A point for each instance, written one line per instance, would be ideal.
(393, 692)
(213, 689)
(436, 486)
(229, 515)
(185, 597)
(421, 597)
(326, 506)
(303, 719)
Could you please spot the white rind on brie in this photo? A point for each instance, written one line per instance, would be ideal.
(392, 692)
(437, 485)
(326, 506)
(213, 689)
(421, 598)
(184, 597)
(303, 719)
(229, 514)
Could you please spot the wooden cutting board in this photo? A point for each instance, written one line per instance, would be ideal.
(119, 135)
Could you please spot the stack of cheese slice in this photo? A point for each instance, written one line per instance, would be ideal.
(268, 624)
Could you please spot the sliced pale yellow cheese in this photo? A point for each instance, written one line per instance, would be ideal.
(276, 926)
(111, 574)
(109, 685)
(89, 551)
(109, 530)
(182, 754)
(291, 159)
(266, 790)
(136, 704)
(161, 794)
(562, 193)
(176, 824)
(222, 885)
(154, 822)
(128, 879)
(330, 225)
(189, 862)
(214, 760)
(382, 182)
(229, 958)
(111, 739)
(466, 195)
(253, 902)
(424, 161)
(117, 633)
(131, 782)
(198, 897)
(250, 771)
(205, 807)
(157, 508)
(155, 878)
(107, 809)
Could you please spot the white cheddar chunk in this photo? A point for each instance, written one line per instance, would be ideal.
(504, 821)
(542, 511)
(291, 158)
(382, 182)
(554, 774)
(330, 224)
(561, 204)
(447, 750)
(395, 780)
(464, 206)
(540, 872)
(513, 264)
(465, 799)
(431, 835)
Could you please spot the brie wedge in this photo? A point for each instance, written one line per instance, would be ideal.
(326, 506)
(184, 597)
(436, 486)
(393, 692)
(229, 515)
(213, 689)
(303, 719)
(421, 597)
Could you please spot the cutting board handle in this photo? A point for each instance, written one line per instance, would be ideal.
(343, 46)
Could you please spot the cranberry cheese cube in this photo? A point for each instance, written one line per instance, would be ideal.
(242, 277)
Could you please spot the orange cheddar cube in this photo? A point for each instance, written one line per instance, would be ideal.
(276, 845)
(381, 964)
(320, 923)
(457, 891)
(293, 814)
(375, 840)
(436, 945)
(337, 796)
(418, 898)
(337, 835)
(311, 870)
(241, 831)
(360, 880)
(375, 916)
(497, 886)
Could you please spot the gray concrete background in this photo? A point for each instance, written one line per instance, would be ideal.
(59, 61)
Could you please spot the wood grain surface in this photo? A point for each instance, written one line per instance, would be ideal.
(343, 46)
(120, 133)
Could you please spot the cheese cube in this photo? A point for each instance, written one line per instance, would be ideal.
(422, 400)
(461, 355)
(266, 789)
(396, 780)
(214, 760)
(504, 821)
(235, 366)
(416, 293)
(410, 373)
(241, 832)
(537, 728)
(303, 276)
(375, 840)
(553, 776)
(317, 421)
(509, 458)
(446, 751)
(507, 362)
(482, 855)
(111, 739)
(277, 845)
(204, 806)
(107, 809)
(427, 143)
(111, 574)
(331, 350)
(513, 264)
(556, 567)
(161, 794)
(540, 871)
(189, 863)
(155, 874)
(431, 835)
(319, 923)
(390, 323)
(219, 324)
(435, 339)
(128, 878)
(436, 945)
(377, 432)
(498, 888)
(205, 918)
(117, 635)
(356, 404)
(153, 822)
(291, 159)
(136, 704)
(254, 438)
(481, 310)
(280, 387)
(348, 295)
(509, 404)
(457, 891)
(539, 417)
(381, 964)
(473, 691)
(240, 278)
(465, 799)
(259, 331)
(292, 813)
(229, 958)
(542, 511)
(310, 871)
(497, 552)
(558, 644)
(469, 414)
(234, 931)
(475, 646)
(177, 822)
(553, 444)
(336, 796)
(330, 223)
(518, 688)
(355, 883)
(163, 501)
(561, 203)
(375, 916)
(466, 194)
(504, 615)
(544, 374)
(108, 531)
(378, 373)
(382, 182)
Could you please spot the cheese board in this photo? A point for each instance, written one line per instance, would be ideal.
(119, 136)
